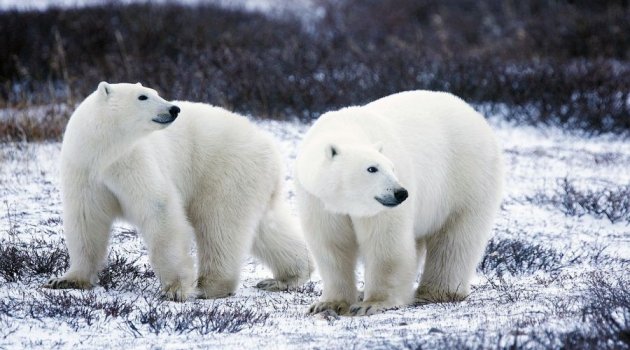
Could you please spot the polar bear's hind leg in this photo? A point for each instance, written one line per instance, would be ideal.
(452, 256)
(280, 246)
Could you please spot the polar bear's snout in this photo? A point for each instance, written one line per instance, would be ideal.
(391, 200)
(165, 118)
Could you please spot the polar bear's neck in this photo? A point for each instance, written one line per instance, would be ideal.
(90, 143)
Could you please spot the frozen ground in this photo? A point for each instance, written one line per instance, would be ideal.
(552, 276)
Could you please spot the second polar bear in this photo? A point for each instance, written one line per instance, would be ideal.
(410, 173)
(175, 170)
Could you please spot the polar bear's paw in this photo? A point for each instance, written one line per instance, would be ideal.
(67, 283)
(339, 307)
(214, 289)
(367, 308)
(279, 285)
(425, 295)
(178, 291)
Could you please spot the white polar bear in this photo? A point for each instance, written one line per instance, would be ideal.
(356, 168)
(211, 174)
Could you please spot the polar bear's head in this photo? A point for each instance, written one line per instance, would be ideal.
(133, 108)
(354, 179)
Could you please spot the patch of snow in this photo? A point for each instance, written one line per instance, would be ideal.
(502, 308)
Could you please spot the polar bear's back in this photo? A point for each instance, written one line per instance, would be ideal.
(438, 120)
(206, 123)
(430, 110)
(207, 145)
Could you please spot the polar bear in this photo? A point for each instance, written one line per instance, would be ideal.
(175, 170)
(412, 175)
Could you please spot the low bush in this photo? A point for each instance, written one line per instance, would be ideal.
(560, 62)
(517, 257)
(610, 203)
(21, 261)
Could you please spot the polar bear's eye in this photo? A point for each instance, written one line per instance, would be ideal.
(372, 169)
(142, 97)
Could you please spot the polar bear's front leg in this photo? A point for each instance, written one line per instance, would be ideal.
(335, 252)
(150, 201)
(388, 250)
(223, 241)
(168, 237)
(333, 244)
(87, 217)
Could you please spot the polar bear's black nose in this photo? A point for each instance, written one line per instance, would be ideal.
(400, 195)
(174, 111)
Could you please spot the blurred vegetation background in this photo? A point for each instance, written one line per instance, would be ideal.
(556, 62)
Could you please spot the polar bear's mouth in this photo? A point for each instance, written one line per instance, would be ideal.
(164, 119)
(400, 194)
(388, 202)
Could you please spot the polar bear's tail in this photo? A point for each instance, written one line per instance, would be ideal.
(280, 245)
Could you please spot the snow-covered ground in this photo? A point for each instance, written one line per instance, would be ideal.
(536, 280)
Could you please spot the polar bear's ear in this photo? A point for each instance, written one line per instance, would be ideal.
(331, 151)
(104, 89)
(379, 146)
(138, 83)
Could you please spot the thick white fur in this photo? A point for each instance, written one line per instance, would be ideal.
(439, 149)
(210, 174)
